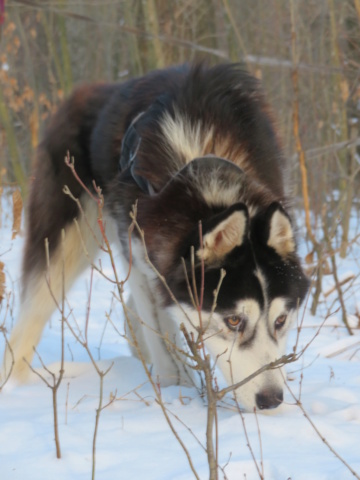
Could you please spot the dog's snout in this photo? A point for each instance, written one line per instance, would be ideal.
(268, 399)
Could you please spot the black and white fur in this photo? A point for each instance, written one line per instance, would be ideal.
(188, 144)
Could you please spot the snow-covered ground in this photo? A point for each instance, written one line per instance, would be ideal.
(134, 440)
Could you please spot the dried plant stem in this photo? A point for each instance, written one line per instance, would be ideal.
(279, 363)
(301, 155)
(211, 415)
(236, 29)
(296, 123)
(341, 283)
(67, 402)
(8, 125)
(156, 390)
(97, 419)
(56, 381)
(340, 295)
(212, 454)
(248, 443)
(61, 372)
(120, 288)
(152, 24)
(53, 50)
(196, 345)
(260, 443)
(101, 373)
(357, 7)
(152, 266)
(200, 357)
(8, 347)
(319, 434)
(3, 331)
(349, 192)
(205, 366)
(148, 374)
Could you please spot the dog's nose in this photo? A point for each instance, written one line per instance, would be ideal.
(269, 399)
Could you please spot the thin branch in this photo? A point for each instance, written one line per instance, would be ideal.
(279, 363)
(319, 434)
(296, 128)
(10, 350)
(248, 444)
(260, 443)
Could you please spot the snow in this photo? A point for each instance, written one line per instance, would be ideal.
(134, 440)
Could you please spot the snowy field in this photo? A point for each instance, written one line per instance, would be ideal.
(134, 440)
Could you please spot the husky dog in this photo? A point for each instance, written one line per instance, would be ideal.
(188, 144)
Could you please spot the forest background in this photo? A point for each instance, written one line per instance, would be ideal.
(306, 54)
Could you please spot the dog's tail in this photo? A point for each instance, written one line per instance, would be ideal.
(51, 212)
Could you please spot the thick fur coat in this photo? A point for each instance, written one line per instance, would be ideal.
(187, 144)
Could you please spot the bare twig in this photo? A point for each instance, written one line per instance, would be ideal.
(260, 443)
(341, 283)
(10, 350)
(101, 373)
(319, 434)
(279, 363)
(296, 129)
(120, 289)
(327, 149)
(56, 380)
(248, 443)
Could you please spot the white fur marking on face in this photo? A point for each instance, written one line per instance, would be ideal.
(281, 237)
(250, 308)
(237, 363)
(224, 237)
(276, 308)
(263, 284)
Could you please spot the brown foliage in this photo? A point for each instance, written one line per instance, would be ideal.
(2, 281)
(17, 211)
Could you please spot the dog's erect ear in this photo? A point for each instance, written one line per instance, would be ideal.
(229, 232)
(281, 234)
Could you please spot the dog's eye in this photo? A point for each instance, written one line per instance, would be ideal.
(236, 322)
(280, 322)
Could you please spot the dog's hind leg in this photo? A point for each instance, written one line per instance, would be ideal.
(44, 286)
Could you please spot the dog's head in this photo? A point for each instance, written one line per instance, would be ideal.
(257, 301)
(246, 318)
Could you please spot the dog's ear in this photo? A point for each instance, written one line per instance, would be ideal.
(281, 235)
(225, 232)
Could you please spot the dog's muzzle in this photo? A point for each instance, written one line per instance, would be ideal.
(268, 399)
